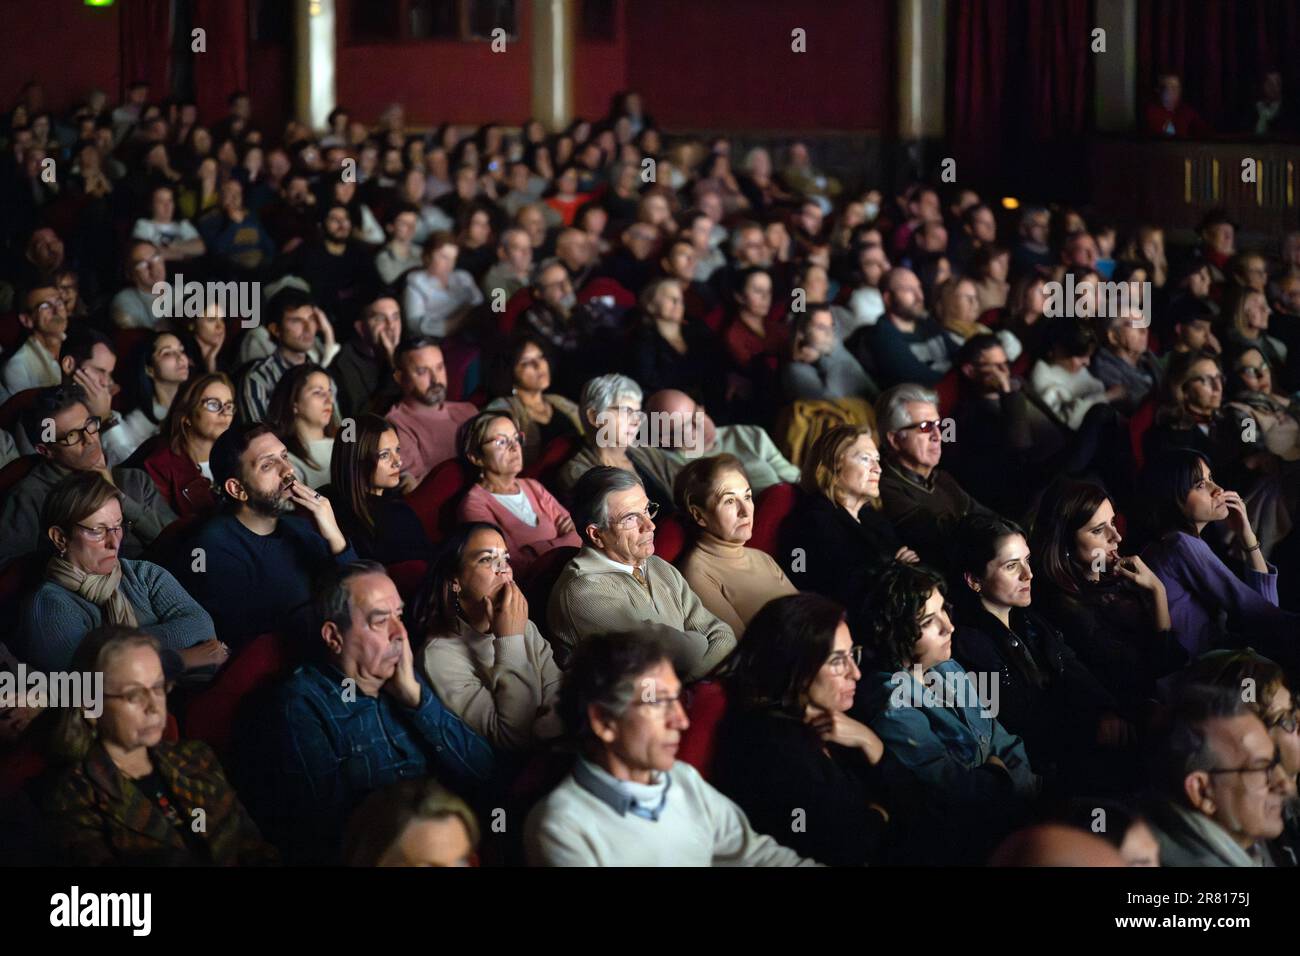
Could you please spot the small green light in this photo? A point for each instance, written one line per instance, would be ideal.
(99, 3)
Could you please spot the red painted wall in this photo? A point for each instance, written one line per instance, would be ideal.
(66, 45)
(679, 51)
(600, 70)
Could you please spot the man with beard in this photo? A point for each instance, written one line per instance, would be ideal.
(336, 266)
(820, 367)
(251, 565)
(905, 345)
(426, 423)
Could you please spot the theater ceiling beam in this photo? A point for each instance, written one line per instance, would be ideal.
(315, 93)
(1116, 68)
(552, 49)
(922, 48)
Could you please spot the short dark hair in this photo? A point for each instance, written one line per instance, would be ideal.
(786, 643)
(603, 672)
(975, 346)
(407, 346)
(896, 602)
(1068, 338)
(230, 447)
(287, 300)
(1183, 744)
(332, 600)
(79, 345)
(592, 491)
(976, 541)
(48, 403)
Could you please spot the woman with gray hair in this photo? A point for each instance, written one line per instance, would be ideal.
(613, 420)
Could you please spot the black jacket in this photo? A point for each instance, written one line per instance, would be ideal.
(826, 550)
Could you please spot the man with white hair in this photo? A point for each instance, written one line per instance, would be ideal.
(617, 583)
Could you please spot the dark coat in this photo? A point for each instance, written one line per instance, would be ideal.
(826, 550)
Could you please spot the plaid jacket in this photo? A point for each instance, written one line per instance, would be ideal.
(99, 817)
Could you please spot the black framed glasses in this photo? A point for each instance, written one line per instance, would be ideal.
(663, 705)
(1253, 775)
(75, 436)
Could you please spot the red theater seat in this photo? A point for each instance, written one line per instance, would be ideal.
(211, 713)
(515, 307)
(1138, 425)
(555, 454)
(436, 498)
(670, 539)
(708, 705)
(771, 508)
(408, 575)
(948, 389)
(12, 410)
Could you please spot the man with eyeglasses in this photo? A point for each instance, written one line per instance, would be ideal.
(628, 800)
(88, 360)
(426, 423)
(1222, 782)
(616, 583)
(35, 364)
(65, 435)
(133, 307)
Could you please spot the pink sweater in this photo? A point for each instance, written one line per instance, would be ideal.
(427, 435)
(526, 544)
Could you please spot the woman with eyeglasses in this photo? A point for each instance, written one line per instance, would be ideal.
(302, 415)
(1113, 611)
(87, 583)
(161, 369)
(485, 659)
(612, 420)
(519, 374)
(1277, 416)
(787, 750)
(1204, 593)
(532, 521)
(1070, 723)
(836, 539)
(1274, 704)
(199, 414)
(364, 488)
(129, 798)
(961, 777)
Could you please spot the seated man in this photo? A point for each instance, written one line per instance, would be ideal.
(88, 360)
(905, 345)
(133, 307)
(252, 564)
(293, 323)
(616, 583)
(363, 369)
(819, 366)
(618, 806)
(1124, 360)
(356, 720)
(921, 501)
(1222, 782)
(35, 364)
(425, 421)
(66, 436)
(513, 268)
(682, 439)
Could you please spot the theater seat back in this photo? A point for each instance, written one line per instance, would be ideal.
(408, 575)
(771, 508)
(436, 498)
(670, 538)
(211, 713)
(556, 453)
(699, 740)
(948, 388)
(1138, 425)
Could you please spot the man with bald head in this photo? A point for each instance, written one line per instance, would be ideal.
(905, 345)
(1054, 844)
(682, 427)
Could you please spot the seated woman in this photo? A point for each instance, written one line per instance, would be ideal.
(836, 538)
(732, 581)
(1047, 697)
(1276, 416)
(1247, 310)
(439, 297)
(957, 307)
(612, 417)
(365, 474)
(669, 351)
(301, 413)
(1184, 499)
(947, 758)
(520, 376)
(87, 584)
(532, 521)
(787, 743)
(485, 659)
(162, 370)
(129, 798)
(206, 341)
(1062, 380)
(178, 465)
(412, 823)
(1113, 610)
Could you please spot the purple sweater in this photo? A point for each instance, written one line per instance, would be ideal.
(1199, 586)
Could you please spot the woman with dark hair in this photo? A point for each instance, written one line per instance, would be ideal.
(129, 798)
(1121, 826)
(1184, 499)
(947, 758)
(365, 474)
(161, 370)
(199, 415)
(411, 823)
(564, 196)
(485, 659)
(301, 414)
(1047, 696)
(476, 240)
(787, 748)
(519, 375)
(1113, 610)
(1061, 377)
(205, 341)
(670, 351)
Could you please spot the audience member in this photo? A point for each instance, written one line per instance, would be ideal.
(427, 424)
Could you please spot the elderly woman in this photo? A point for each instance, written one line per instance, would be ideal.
(199, 415)
(439, 296)
(485, 659)
(365, 476)
(532, 521)
(668, 351)
(787, 742)
(302, 416)
(836, 539)
(733, 581)
(947, 758)
(612, 419)
(87, 584)
(520, 377)
(128, 797)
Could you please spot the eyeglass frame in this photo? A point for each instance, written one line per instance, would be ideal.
(651, 509)
(98, 534)
(83, 431)
(662, 704)
(135, 697)
(516, 442)
(1273, 765)
(836, 662)
(227, 408)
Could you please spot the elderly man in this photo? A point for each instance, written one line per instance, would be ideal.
(905, 345)
(616, 583)
(359, 719)
(628, 801)
(426, 423)
(1124, 359)
(921, 501)
(513, 268)
(685, 430)
(1222, 782)
(820, 367)
(35, 364)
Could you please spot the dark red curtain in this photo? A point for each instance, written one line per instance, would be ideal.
(224, 67)
(1221, 48)
(146, 39)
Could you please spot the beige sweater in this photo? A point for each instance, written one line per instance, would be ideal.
(733, 581)
(504, 688)
(593, 597)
